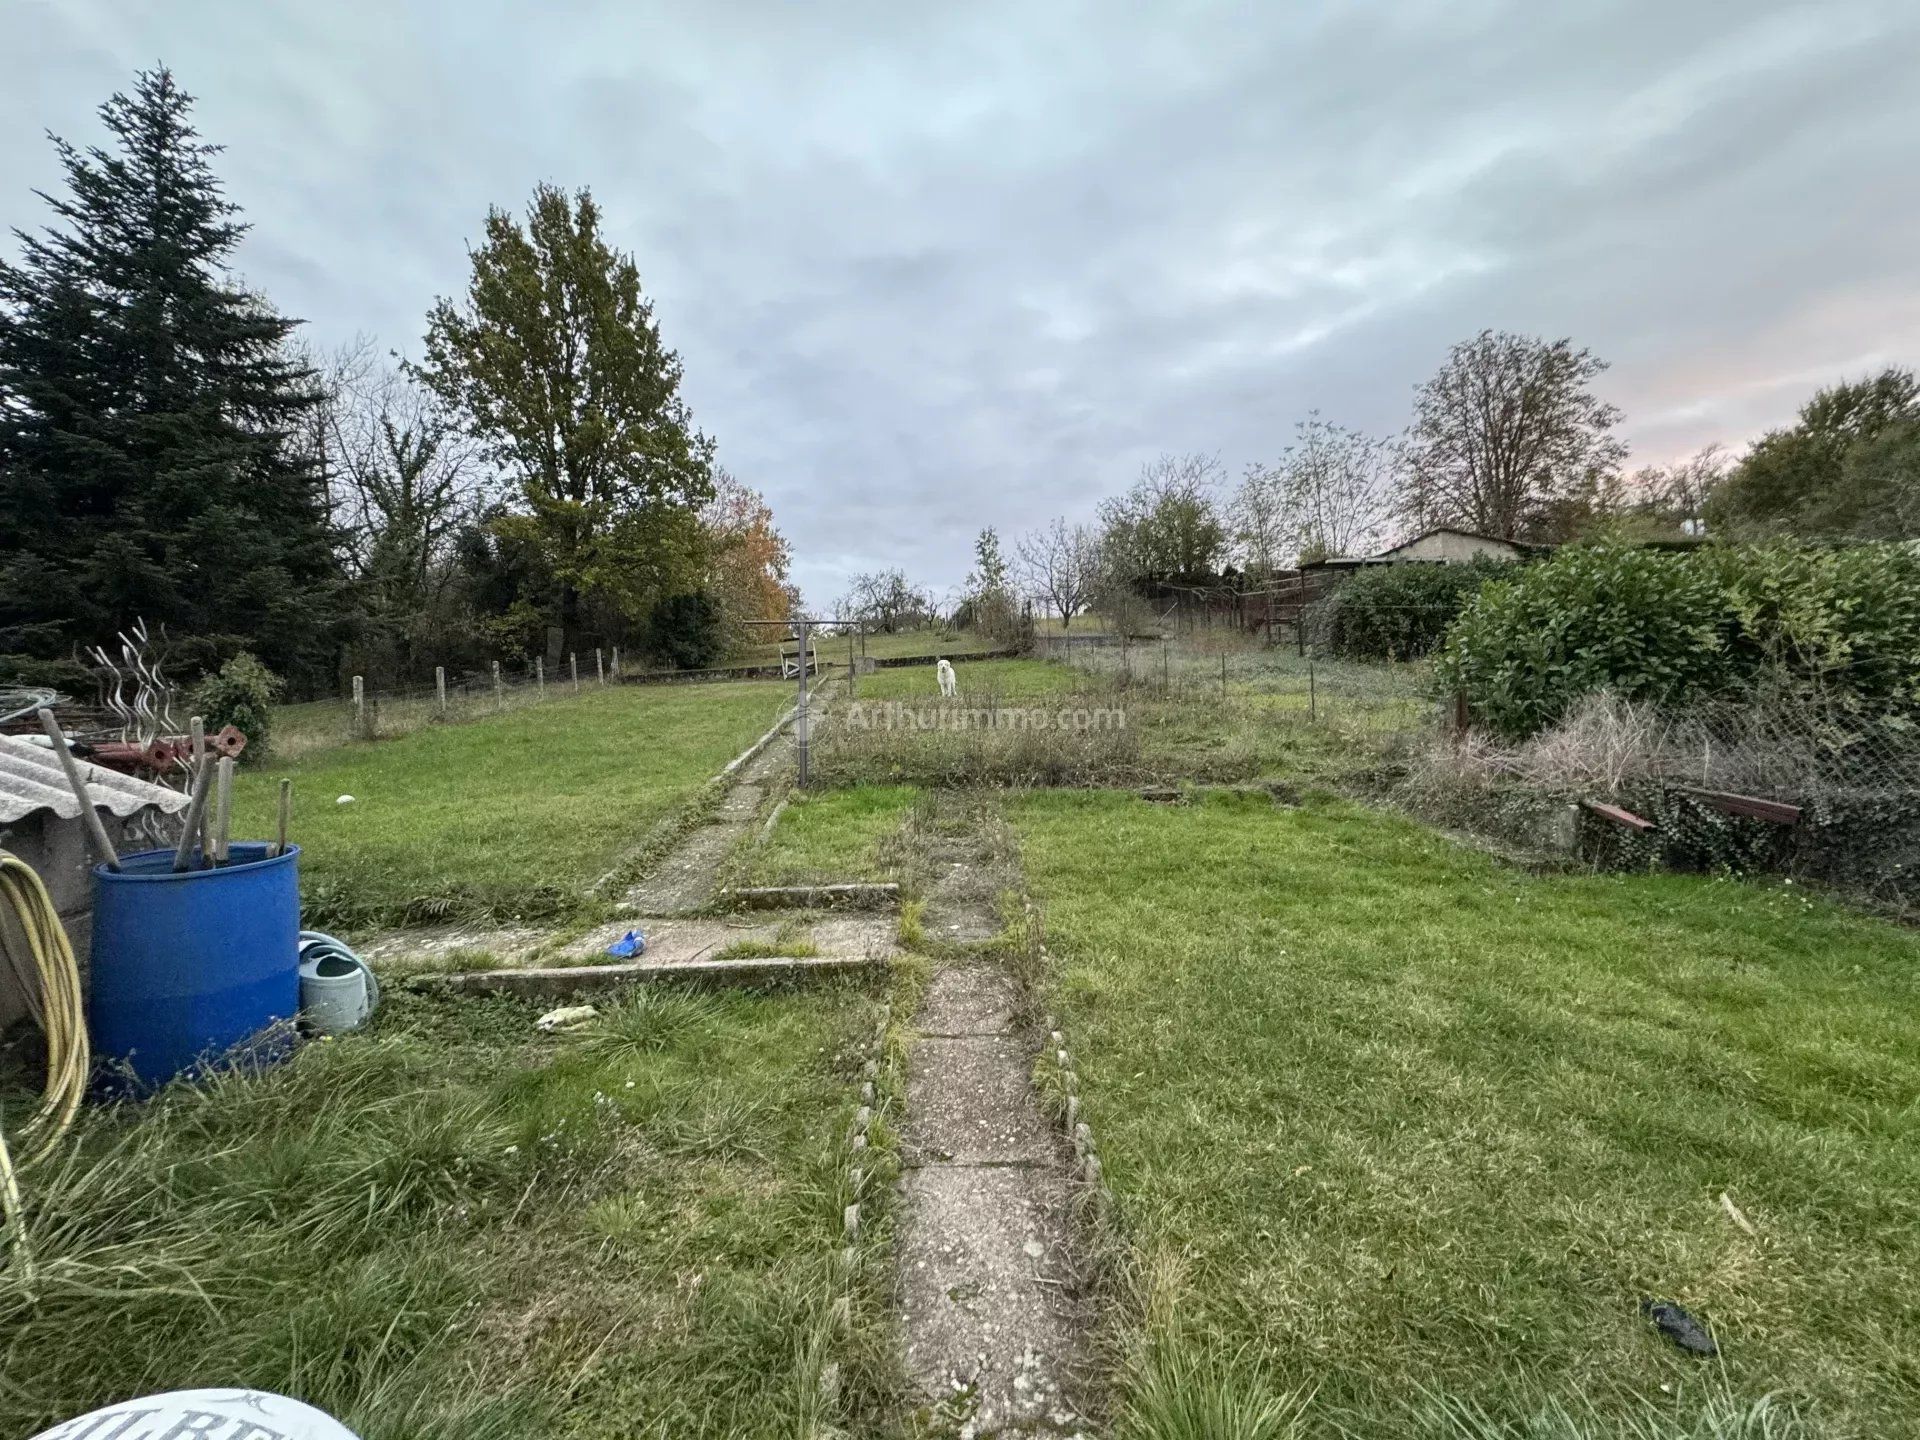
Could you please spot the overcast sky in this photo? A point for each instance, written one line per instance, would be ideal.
(938, 266)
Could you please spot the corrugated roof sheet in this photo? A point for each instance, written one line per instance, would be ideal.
(31, 780)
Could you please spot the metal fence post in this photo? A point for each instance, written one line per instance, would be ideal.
(800, 735)
(440, 688)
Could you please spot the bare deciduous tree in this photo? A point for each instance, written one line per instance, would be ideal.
(1336, 489)
(888, 600)
(1677, 494)
(1262, 527)
(1509, 422)
(1059, 566)
(402, 476)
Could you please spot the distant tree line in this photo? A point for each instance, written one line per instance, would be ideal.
(534, 483)
(1509, 438)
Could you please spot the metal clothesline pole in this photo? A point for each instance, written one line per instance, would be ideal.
(802, 713)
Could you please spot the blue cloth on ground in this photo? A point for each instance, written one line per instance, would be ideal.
(631, 943)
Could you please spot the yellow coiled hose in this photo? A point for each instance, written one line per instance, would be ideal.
(34, 944)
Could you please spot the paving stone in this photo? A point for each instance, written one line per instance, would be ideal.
(684, 878)
(969, 1102)
(984, 1296)
(967, 1000)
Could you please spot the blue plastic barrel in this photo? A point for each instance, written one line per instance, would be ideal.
(186, 967)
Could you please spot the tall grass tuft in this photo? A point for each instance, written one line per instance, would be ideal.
(1180, 1394)
(1716, 1415)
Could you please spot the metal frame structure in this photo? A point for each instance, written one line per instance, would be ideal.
(802, 719)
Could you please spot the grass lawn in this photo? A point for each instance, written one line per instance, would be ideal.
(507, 817)
(1391, 1124)
(977, 680)
(834, 835)
(454, 1226)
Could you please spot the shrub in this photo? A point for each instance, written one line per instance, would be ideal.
(241, 693)
(1839, 626)
(685, 630)
(1401, 612)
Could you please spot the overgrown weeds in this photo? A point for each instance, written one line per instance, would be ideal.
(453, 1226)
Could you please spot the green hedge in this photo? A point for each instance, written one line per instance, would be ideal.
(1838, 626)
(1401, 612)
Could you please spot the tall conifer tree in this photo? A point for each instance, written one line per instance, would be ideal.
(153, 422)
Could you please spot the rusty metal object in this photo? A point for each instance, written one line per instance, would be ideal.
(163, 755)
(1617, 815)
(1752, 807)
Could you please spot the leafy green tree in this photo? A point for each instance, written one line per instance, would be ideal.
(555, 362)
(1849, 468)
(685, 630)
(152, 414)
(1168, 525)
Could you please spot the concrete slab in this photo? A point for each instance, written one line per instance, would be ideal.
(969, 1102)
(742, 801)
(992, 1331)
(684, 878)
(669, 941)
(675, 941)
(404, 951)
(876, 936)
(967, 1000)
(852, 896)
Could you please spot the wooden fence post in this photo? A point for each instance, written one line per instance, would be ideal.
(499, 699)
(540, 677)
(440, 688)
(599, 665)
(616, 662)
(360, 708)
(573, 664)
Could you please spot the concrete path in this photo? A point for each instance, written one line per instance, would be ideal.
(986, 1295)
(683, 879)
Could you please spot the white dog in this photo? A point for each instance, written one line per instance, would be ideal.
(948, 686)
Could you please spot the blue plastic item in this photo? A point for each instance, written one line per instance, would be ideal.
(187, 967)
(629, 944)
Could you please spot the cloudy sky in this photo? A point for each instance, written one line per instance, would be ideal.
(937, 266)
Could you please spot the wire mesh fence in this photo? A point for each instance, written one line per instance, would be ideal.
(366, 713)
(1828, 792)
(1366, 703)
